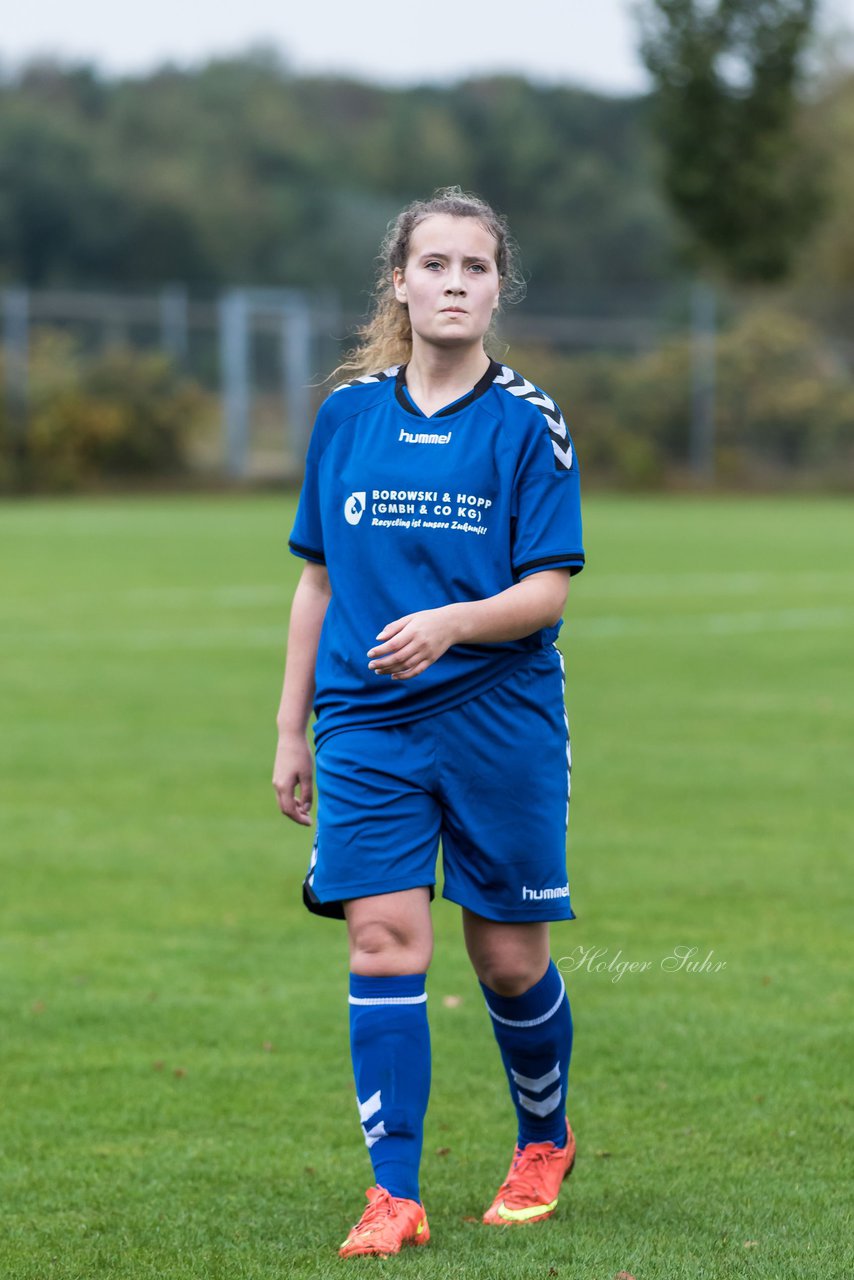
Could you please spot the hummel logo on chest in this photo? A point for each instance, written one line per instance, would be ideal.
(423, 437)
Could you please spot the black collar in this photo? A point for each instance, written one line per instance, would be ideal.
(476, 392)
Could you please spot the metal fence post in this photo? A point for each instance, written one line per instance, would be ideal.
(174, 322)
(16, 346)
(328, 330)
(703, 380)
(234, 365)
(296, 372)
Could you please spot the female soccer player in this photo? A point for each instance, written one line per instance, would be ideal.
(440, 523)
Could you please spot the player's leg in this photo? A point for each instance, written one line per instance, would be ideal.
(391, 943)
(530, 1014)
(374, 864)
(504, 844)
(532, 1022)
(529, 1010)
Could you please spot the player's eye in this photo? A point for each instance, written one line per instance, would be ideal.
(431, 264)
(478, 267)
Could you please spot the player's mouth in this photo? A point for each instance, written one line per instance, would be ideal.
(454, 311)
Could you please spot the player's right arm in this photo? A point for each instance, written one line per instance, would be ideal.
(292, 771)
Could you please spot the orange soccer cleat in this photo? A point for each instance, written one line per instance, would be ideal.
(386, 1225)
(530, 1191)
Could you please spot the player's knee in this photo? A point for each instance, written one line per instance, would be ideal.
(509, 975)
(379, 947)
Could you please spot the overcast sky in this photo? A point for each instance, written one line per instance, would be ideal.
(588, 42)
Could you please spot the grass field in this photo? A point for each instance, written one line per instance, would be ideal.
(175, 1089)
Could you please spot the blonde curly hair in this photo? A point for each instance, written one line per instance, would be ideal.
(386, 338)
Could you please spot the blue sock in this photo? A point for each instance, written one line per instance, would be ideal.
(534, 1034)
(390, 1046)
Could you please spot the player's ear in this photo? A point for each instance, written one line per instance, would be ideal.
(398, 280)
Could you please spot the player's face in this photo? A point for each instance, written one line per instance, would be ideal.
(450, 282)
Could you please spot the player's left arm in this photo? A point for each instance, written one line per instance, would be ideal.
(409, 645)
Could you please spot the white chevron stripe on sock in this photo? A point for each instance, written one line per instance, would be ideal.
(374, 1135)
(541, 1108)
(537, 1086)
(370, 1107)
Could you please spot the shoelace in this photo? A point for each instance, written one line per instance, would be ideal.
(378, 1210)
(526, 1166)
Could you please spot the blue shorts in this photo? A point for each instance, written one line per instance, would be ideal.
(489, 777)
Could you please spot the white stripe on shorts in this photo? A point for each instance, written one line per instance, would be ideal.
(568, 742)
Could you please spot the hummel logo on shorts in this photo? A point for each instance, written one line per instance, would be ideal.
(541, 895)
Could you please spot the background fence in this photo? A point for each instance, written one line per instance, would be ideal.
(689, 381)
(255, 352)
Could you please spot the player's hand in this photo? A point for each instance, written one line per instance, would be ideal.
(411, 644)
(292, 778)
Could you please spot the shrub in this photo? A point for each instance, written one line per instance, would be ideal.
(784, 402)
(119, 415)
(784, 410)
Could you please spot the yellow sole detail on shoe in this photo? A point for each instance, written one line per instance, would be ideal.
(525, 1215)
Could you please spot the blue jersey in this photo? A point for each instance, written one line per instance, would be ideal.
(409, 513)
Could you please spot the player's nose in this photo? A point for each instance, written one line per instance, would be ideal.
(455, 281)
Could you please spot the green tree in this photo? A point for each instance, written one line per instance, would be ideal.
(55, 212)
(242, 171)
(826, 263)
(736, 168)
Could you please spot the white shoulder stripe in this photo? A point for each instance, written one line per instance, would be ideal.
(383, 376)
(513, 382)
